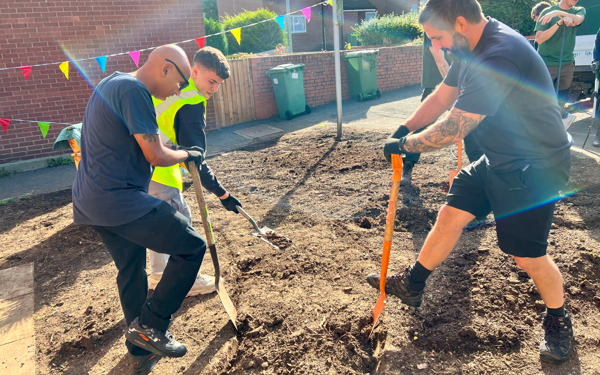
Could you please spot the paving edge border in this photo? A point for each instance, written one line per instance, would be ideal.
(31, 164)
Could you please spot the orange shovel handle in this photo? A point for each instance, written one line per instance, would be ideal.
(459, 155)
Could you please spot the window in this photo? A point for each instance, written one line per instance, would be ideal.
(369, 15)
(414, 8)
(298, 24)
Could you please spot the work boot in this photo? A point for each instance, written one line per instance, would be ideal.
(568, 121)
(557, 344)
(203, 285)
(154, 340)
(398, 285)
(597, 140)
(143, 364)
(407, 170)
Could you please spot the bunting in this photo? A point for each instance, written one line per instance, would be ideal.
(44, 126)
(102, 62)
(200, 42)
(26, 71)
(306, 12)
(4, 122)
(64, 67)
(281, 21)
(237, 34)
(135, 56)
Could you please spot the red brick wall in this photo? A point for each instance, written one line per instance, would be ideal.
(397, 67)
(32, 33)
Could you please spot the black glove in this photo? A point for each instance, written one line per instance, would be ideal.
(230, 203)
(595, 65)
(195, 154)
(394, 146)
(402, 131)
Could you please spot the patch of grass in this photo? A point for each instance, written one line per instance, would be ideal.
(59, 161)
(2, 203)
(5, 173)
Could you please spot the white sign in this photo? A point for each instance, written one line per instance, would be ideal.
(275, 82)
(584, 46)
(294, 75)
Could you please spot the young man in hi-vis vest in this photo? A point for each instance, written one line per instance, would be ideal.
(181, 121)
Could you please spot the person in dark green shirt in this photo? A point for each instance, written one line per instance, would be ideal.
(552, 23)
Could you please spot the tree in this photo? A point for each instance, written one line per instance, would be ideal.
(257, 38)
(210, 10)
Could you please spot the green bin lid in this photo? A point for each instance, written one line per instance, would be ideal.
(355, 54)
(285, 68)
(70, 132)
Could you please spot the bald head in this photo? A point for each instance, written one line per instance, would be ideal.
(165, 72)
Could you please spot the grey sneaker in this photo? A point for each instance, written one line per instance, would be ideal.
(596, 142)
(568, 121)
(154, 340)
(557, 344)
(397, 285)
(143, 364)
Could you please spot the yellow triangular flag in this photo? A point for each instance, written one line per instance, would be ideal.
(330, 2)
(64, 67)
(236, 33)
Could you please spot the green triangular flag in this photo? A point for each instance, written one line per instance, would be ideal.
(44, 126)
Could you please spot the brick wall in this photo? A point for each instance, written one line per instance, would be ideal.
(397, 67)
(33, 31)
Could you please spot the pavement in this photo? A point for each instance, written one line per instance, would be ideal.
(385, 113)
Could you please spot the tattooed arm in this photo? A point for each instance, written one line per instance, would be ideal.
(156, 153)
(443, 133)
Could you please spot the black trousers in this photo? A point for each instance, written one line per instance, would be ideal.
(165, 231)
(472, 149)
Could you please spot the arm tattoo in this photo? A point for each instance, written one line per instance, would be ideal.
(150, 138)
(451, 130)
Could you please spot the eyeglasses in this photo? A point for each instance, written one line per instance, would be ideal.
(185, 80)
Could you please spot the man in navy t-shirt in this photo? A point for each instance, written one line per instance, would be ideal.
(501, 94)
(119, 148)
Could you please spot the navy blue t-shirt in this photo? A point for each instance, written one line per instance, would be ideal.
(507, 81)
(111, 185)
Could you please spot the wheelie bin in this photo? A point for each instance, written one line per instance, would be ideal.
(288, 85)
(362, 74)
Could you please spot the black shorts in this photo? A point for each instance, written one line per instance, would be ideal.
(522, 202)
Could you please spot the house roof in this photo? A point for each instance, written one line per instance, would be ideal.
(359, 5)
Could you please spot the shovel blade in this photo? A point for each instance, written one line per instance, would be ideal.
(226, 301)
(378, 309)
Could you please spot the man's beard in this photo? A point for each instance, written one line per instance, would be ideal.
(460, 46)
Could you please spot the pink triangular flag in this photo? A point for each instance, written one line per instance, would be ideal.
(26, 70)
(306, 12)
(4, 122)
(200, 42)
(135, 56)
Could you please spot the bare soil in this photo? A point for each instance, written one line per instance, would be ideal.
(306, 309)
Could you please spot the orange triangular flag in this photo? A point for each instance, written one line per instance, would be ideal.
(200, 42)
(4, 122)
(237, 34)
(26, 71)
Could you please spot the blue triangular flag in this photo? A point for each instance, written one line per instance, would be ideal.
(281, 21)
(102, 62)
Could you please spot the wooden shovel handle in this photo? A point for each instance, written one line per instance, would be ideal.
(460, 155)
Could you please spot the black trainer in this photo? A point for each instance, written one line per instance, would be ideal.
(143, 364)
(557, 344)
(154, 341)
(397, 285)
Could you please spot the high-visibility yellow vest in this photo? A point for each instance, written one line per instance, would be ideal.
(165, 117)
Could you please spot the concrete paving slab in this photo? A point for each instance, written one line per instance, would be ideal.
(258, 131)
(17, 340)
(16, 281)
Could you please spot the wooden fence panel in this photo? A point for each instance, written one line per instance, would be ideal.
(234, 102)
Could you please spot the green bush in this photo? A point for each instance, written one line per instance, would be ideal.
(218, 41)
(514, 13)
(389, 29)
(258, 38)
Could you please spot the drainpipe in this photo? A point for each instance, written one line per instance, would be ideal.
(323, 23)
(289, 26)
